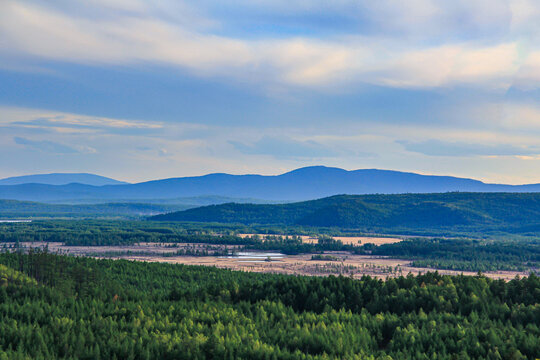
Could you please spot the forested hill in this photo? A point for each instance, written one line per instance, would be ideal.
(510, 212)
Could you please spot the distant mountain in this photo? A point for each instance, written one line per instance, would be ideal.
(301, 184)
(13, 209)
(403, 213)
(192, 201)
(61, 179)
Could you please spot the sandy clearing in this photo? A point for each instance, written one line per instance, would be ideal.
(355, 266)
(348, 265)
(354, 240)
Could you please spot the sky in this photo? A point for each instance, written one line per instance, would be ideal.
(139, 90)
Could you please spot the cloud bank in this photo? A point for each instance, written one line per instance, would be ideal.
(144, 89)
(395, 48)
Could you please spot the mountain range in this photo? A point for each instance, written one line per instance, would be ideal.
(61, 179)
(297, 185)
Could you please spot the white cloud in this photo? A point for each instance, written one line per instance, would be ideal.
(521, 117)
(70, 123)
(303, 61)
(451, 65)
(284, 147)
(166, 153)
(429, 45)
(90, 122)
(428, 19)
(52, 147)
(136, 38)
(528, 76)
(126, 39)
(525, 17)
(434, 147)
(505, 117)
(425, 19)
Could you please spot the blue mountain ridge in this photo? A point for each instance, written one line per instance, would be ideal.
(61, 179)
(300, 184)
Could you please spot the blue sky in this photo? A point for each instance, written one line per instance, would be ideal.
(140, 90)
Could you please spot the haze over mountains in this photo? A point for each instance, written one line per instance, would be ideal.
(301, 184)
(61, 179)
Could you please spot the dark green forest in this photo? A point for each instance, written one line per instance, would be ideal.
(461, 254)
(60, 307)
(429, 214)
(108, 232)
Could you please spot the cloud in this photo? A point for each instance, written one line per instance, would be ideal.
(503, 117)
(462, 149)
(441, 19)
(254, 149)
(283, 147)
(125, 38)
(80, 123)
(139, 35)
(528, 76)
(452, 65)
(525, 15)
(52, 147)
(50, 121)
(427, 19)
(38, 121)
(209, 86)
(164, 153)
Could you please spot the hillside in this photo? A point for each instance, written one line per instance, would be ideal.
(516, 213)
(301, 184)
(61, 179)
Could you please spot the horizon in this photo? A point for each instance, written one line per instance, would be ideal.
(125, 182)
(269, 179)
(175, 89)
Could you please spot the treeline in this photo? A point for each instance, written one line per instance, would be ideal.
(106, 233)
(82, 308)
(293, 245)
(460, 254)
(109, 233)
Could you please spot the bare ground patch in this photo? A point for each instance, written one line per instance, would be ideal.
(347, 265)
(353, 240)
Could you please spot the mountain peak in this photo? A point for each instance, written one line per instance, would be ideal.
(316, 169)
